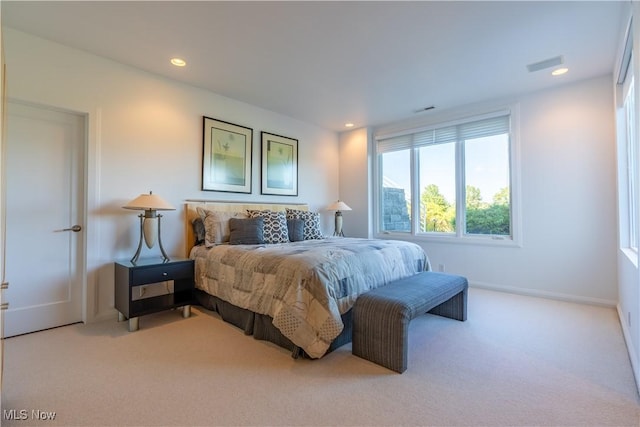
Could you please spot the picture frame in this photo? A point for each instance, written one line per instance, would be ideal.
(226, 156)
(279, 165)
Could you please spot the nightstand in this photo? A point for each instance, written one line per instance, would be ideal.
(129, 276)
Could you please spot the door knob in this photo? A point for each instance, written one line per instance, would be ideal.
(75, 228)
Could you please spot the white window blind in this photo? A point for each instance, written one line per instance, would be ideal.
(448, 133)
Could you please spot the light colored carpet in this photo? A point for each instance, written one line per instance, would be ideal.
(517, 361)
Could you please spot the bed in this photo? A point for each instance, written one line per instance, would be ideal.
(297, 294)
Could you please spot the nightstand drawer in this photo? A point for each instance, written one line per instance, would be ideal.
(160, 273)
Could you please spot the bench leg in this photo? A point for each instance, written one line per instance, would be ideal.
(380, 335)
(453, 308)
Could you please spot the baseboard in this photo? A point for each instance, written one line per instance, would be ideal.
(629, 342)
(544, 294)
(105, 315)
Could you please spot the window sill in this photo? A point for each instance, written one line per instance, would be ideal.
(454, 240)
(631, 255)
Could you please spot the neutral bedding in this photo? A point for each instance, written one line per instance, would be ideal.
(304, 286)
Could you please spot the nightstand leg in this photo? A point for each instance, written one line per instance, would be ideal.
(186, 311)
(133, 324)
(121, 317)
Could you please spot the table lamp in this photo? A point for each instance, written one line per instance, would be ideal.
(338, 206)
(150, 220)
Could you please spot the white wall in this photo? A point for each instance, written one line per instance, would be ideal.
(145, 133)
(355, 167)
(567, 180)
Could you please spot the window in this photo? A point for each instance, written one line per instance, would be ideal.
(450, 181)
(627, 150)
(437, 178)
(396, 195)
(632, 164)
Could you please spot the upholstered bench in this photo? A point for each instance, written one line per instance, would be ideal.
(381, 316)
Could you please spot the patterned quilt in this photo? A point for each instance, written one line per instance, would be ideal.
(304, 286)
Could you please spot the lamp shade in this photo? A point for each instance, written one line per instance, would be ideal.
(149, 202)
(338, 205)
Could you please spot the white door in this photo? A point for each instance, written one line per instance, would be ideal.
(44, 161)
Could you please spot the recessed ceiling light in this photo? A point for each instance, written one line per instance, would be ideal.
(559, 71)
(349, 125)
(178, 62)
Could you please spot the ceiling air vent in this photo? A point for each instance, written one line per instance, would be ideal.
(547, 63)
(420, 110)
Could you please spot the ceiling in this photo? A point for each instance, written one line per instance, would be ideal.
(332, 62)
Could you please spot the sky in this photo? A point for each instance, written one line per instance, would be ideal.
(487, 166)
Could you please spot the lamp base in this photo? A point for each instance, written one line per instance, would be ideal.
(338, 225)
(143, 235)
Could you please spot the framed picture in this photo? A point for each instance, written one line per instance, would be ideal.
(279, 165)
(226, 156)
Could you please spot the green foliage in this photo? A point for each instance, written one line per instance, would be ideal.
(494, 219)
(502, 197)
(437, 214)
(474, 198)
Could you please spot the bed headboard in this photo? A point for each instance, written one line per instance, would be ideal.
(191, 213)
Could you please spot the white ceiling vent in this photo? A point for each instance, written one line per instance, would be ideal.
(547, 63)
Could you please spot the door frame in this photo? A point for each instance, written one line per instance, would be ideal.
(97, 273)
(88, 193)
(82, 176)
(3, 181)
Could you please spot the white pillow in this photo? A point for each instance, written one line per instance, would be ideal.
(216, 225)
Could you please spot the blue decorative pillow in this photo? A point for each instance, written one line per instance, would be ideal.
(246, 231)
(275, 225)
(295, 227)
(311, 223)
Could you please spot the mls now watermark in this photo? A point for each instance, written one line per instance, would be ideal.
(24, 415)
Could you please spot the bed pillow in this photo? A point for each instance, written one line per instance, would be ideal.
(246, 231)
(311, 223)
(275, 225)
(198, 230)
(216, 225)
(295, 227)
